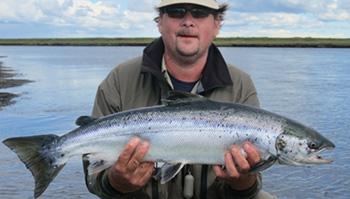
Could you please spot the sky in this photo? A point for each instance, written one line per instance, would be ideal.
(134, 18)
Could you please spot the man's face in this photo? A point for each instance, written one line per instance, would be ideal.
(185, 35)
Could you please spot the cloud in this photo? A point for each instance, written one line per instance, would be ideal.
(87, 14)
(75, 13)
(20, 10)
(263, 6)
(287, 18)
(336, 11)
(321, 9)
(96, 18)
(142, 5)
(265, 19)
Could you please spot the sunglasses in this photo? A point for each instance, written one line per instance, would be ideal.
(180, 12)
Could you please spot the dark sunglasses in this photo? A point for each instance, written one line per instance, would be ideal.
(179, 12)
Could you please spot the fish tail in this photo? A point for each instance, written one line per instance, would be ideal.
(35, 153)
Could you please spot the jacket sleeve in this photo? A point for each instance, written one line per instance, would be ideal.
(107, 99)
(249, 93)
(221, 190)
(99, 185)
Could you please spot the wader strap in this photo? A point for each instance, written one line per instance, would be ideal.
(184, 171)
(204, 176)
(155, 193)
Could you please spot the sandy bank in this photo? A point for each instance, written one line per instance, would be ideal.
(6, 81)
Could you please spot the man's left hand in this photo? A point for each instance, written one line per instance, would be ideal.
(237, 167)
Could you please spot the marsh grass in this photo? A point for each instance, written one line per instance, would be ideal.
(234, 41)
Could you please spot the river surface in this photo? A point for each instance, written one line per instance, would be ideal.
(310, 85)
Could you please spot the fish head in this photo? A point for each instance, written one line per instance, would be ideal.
(300, 145)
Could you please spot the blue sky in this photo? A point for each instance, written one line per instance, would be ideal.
(134, 18)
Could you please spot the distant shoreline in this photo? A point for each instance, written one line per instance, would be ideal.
(7, 81)
(298, 42)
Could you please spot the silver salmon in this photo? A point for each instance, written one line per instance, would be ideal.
(186, 129)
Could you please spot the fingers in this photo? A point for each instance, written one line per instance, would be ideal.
(231, 169)
(253, 155)
(130, 172)
(238, 162)
(219, 172)
(239, 159)
(145, 171)
(128, 151)
(237, 166)
(137, 157)
(245, 162)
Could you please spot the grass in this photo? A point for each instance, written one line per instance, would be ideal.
(285, 42)
(234, 41)
(78, 41)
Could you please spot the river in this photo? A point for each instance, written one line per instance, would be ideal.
(311, 85)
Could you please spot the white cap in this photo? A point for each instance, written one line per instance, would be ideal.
(206, 3)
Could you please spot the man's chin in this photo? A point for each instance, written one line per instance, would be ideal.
(187, 51)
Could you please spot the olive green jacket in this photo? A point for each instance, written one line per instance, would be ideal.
(140, 82)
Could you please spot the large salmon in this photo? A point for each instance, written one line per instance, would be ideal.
(187, 129)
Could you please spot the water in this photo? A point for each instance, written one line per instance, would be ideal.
(310, 85)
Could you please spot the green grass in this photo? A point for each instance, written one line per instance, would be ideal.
(234, 41)
(78, 41)
(285, 42)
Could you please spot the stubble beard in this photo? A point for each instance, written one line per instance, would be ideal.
(187, 57)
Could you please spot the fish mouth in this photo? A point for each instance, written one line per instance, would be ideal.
(316, 158)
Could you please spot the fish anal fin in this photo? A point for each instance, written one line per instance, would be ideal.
(169, 171)
(84, 120)
(264, 164)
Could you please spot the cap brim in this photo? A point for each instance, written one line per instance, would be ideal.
(210, 4)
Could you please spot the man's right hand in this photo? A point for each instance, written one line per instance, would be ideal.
(130, 173)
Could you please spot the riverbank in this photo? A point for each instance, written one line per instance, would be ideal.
(6, 81)
(229, 42)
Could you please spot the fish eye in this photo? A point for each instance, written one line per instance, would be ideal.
(312, 145)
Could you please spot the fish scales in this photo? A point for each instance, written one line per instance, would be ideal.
(186, 130)
(168, 130)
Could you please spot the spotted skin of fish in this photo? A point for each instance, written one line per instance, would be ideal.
(185, 130)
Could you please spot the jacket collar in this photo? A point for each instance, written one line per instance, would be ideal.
(215, 73)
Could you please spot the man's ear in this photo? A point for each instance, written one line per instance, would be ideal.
(218, 24)
(158, 20)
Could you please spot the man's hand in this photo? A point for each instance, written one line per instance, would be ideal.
(237, 167)
(130, 173)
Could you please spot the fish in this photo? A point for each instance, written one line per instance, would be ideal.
(184, 129)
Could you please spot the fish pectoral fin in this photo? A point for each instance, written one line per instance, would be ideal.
(84, 120)
(97, 162)
(264, 164)
(168, 171)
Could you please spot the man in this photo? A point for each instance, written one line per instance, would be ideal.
(184, 59)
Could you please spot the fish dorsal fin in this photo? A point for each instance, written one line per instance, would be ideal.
(175, 97)
(84, 120)
(168, 171)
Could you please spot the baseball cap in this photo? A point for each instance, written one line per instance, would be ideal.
(206, 3)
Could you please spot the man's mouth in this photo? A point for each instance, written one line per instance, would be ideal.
(187, 36)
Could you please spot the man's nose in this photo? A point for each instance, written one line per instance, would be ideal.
(188, 20)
